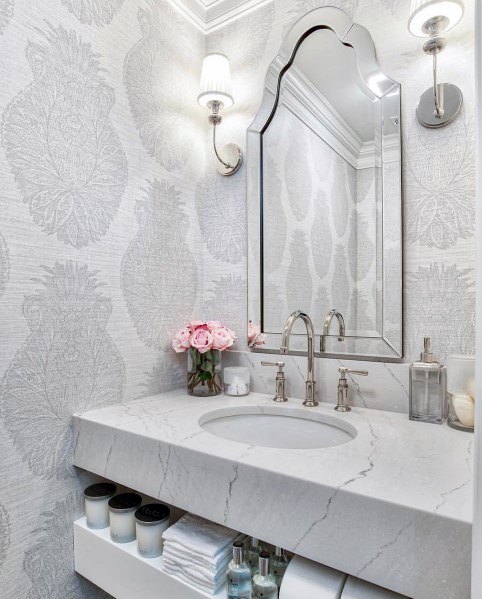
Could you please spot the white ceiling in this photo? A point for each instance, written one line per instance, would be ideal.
(208, 15)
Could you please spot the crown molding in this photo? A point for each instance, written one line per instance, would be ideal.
(209, 15)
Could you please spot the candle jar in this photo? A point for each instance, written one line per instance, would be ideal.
(121, 515)
(461, 392)
(96, 504)
(151, 521)
(236, 380)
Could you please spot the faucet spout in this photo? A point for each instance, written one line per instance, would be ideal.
(326, 328)
(310, 400)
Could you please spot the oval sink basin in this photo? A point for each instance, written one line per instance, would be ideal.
(276, 426)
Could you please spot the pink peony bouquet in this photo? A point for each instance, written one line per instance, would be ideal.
(204, 341)
(203, 336)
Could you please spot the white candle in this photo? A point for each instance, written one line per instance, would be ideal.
(151, 521)
(96, 504)
(121, 515)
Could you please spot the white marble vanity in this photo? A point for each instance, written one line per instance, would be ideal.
(392, 506)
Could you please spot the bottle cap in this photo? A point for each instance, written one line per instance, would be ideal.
(152, 514)
(264, 563)
(100, 491)
(427, 356)
(125, 502)
(279, 552)
(238, 553)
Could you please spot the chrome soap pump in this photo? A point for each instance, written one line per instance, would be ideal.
(428, 388)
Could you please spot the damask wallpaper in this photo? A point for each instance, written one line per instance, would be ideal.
(115, 227)
(102, 143)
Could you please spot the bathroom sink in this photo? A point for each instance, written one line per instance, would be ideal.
(278, 426)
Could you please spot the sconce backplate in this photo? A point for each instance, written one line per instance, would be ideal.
(451, 99)
(230, 154)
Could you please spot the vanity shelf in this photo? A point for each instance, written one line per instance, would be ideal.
(119, 570)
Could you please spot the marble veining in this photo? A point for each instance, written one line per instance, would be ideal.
(393, 506)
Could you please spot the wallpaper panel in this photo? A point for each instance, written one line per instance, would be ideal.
(438, 166)
(99, 248)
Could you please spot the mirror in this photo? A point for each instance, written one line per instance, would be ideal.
(324, 192)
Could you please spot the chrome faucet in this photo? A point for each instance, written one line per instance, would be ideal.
(326, 328)
(310, 400)
(342, 404)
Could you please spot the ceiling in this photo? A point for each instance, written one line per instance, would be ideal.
(208, 15)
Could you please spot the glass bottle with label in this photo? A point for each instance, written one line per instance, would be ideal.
(239, 585)
(264, 585)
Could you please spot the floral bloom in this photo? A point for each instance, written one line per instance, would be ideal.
(182, 340)
(255, 337)
(223, 338)
(202, 339)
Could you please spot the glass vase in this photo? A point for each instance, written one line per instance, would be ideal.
(204, 373)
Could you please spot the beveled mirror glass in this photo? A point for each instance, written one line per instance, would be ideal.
(324, 191)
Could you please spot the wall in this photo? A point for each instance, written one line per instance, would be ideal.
(438, 185)
(101, 142)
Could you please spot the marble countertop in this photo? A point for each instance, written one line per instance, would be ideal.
(392, 506)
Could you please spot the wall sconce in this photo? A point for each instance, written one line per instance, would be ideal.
(215, 94)
(439, 105)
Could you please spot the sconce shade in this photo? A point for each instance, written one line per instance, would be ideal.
(215, 81)
(446, 13)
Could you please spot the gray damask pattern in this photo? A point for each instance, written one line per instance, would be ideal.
(297, 8)
(69, 363)
(100, 12)
(221, 210)
(245, 51)
(156, 85)
(164, 377)
(321, 238)
(4, 264)
(223, 300)
(62, 148)
(4, 534)
(442, 303)
(6, 13)
(49, 562)
(159, 275)
(299, 284)
(340, 286)
(297, 174)
(441, 190)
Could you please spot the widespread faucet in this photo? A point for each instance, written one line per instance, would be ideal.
(310, 400)
(326, 328)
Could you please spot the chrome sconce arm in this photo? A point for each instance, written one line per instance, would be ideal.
(215, 94)
(232, 157)
(439, 105)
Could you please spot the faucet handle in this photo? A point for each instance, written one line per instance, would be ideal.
(280, 365)
(344, 371)
(280, 393)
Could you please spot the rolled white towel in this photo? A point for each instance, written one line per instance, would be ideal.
(200, 537)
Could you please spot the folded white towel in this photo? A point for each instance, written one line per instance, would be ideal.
(211, 588)
(177, 551)
(197, 571)
(200, 537)
(191, 560)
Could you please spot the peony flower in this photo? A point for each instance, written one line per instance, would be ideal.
(255, 337)
(202, 339)
(182, 340)
(194, 324)
(212, 325)
(223, 338)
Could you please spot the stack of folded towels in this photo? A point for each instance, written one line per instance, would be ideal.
(198, 552)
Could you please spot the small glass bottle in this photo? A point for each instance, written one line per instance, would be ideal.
(279, 563)
(239, 575)
(253, 549)
(264, 585)
(428, 388)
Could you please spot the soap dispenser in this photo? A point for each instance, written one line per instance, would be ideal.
(428, 388)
